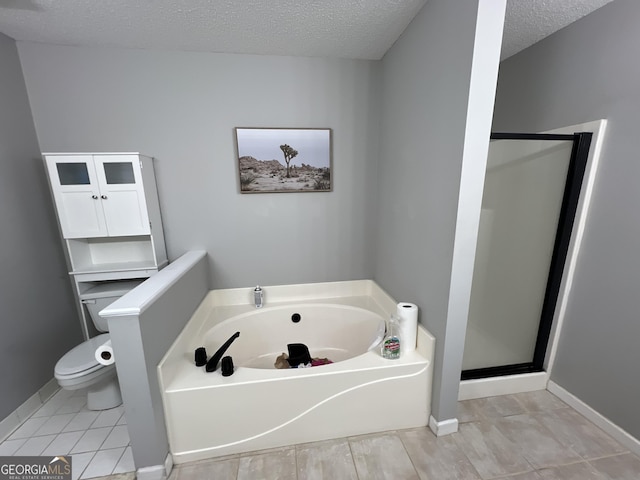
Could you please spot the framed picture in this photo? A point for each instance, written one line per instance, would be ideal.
(284, 160)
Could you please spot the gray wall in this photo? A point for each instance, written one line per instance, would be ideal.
(430, 127)
(585, 72)
(39, 322)
(181, 108)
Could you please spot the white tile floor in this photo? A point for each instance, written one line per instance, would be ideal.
(97, 441)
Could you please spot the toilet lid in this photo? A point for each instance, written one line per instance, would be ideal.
(82, 357)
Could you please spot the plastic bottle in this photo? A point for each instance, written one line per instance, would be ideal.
(391, 343)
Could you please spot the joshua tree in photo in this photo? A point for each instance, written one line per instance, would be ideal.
(289, 153)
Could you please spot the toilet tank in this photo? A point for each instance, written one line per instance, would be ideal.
(104, 294)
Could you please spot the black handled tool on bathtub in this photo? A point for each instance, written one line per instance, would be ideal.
(226, 366)
(212, 364)
(200, 356)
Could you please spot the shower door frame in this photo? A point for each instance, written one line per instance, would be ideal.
(573, 184)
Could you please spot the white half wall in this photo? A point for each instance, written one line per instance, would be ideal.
(143, 324)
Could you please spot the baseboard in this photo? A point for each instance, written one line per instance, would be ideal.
(48, 390)
(16, 418)
(504, 385)
(445, 427)
(8, 425)
(625, 438)
(168, 464)
(156, 472)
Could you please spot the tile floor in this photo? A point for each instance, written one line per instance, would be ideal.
(531, 436)
(97, 441)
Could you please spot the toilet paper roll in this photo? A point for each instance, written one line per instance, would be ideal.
(408, 313)
(104, 354)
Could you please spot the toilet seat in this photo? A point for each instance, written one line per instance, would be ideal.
(81, 360)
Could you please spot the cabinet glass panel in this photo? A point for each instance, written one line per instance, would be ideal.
(119, 172)
(73, 173)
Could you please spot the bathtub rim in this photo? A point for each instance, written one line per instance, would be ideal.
(237, 301)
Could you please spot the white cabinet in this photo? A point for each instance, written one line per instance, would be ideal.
(99, 195)
(109, 216)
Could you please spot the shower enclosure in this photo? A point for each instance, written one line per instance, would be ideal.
(531, 192)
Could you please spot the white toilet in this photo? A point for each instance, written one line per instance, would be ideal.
(79, 368)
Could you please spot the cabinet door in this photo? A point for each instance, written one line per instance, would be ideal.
(77, 196)
(122, 194)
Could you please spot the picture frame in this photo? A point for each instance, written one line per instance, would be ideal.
(284, 160)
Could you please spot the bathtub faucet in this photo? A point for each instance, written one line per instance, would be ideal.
(258, 296)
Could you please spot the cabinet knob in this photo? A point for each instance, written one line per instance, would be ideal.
(95, 197)
(104, 197)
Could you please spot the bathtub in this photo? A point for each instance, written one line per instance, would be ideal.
(260, 406)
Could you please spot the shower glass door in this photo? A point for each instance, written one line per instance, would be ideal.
(530, 197)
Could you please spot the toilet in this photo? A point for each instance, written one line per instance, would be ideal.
(79, 368)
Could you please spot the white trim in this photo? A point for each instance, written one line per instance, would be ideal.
(29, 407)
(622, 436)
(8, 425)
(505, 385)
(156, 472)
(16, 418)
(47, 391)
(598, 129)
(168, 464)
(445, 427)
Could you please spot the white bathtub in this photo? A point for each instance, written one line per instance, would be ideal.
(337, 332)
(259, 406)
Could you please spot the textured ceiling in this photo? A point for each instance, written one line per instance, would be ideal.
(529, 21)
(320, 28)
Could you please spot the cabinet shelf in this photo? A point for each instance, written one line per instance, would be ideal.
(109, 216)
(118, 267)
(108, 254)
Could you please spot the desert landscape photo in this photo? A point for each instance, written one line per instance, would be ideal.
(284, 160)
